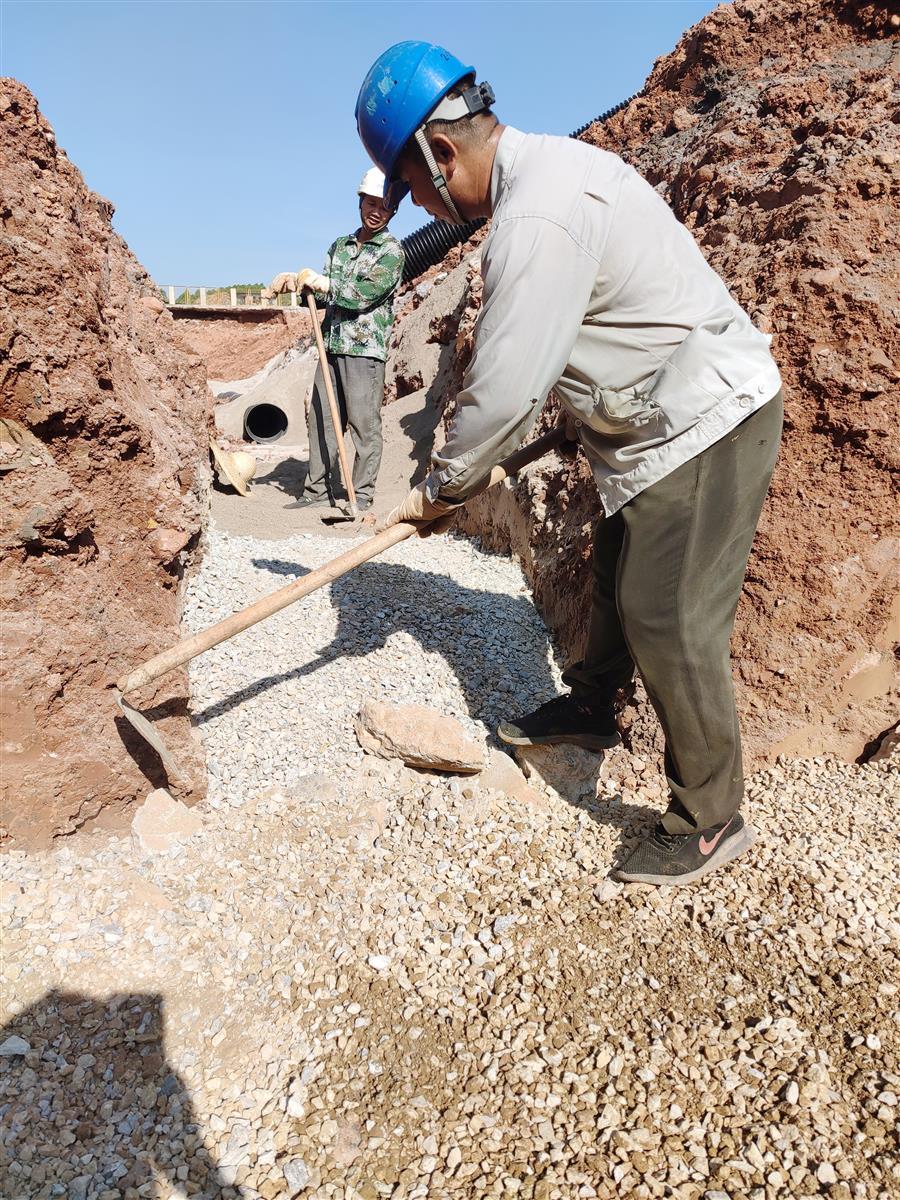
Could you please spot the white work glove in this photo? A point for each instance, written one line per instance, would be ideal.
(285, 282)
(308, 278)
(417, 507)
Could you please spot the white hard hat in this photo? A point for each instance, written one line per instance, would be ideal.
(371, 184)
(238, 468)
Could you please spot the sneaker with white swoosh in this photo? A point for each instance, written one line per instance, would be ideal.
(675, 859)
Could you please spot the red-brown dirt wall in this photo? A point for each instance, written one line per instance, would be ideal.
(103, 504)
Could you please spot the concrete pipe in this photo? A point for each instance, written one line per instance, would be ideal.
(273, 409)
(265, 423)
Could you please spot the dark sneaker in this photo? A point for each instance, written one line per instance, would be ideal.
(676, 858)
(564, 719)
(311, 502)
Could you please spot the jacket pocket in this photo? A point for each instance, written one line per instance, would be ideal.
(617, 409)
(704, 370)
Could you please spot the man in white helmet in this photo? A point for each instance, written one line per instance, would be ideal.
(362, 271)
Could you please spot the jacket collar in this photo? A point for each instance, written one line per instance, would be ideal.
(504, 161)
(375, 240)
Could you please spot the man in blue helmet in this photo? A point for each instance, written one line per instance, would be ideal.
(593, 288)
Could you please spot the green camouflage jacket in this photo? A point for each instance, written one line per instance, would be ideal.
(364, 277)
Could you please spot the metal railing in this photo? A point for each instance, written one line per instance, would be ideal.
(224, 297)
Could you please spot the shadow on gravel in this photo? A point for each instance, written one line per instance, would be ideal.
(478, 633)
(631, 822)
(575, 774)
(489, 642)
(92, 1104)
(277, 567)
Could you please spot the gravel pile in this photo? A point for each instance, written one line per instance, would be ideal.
(359, 981)
(432, 622)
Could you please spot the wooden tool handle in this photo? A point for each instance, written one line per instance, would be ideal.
(332, 402)
(184, 651)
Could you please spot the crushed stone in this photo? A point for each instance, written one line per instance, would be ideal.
(356, 980)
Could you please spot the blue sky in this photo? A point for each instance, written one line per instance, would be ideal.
(223, 132)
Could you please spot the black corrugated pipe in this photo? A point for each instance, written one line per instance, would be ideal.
(610, 112)
(428, 245)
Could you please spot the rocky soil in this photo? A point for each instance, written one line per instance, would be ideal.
(771, 130)
(339, 978)
(103, 506)
(236, 349)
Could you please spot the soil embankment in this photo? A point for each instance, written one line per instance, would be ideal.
(102, 507)
(770, 130)
(236, 349)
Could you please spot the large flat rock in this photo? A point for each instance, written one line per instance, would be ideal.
(420, 736)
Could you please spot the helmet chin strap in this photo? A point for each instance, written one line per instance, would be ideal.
(437, 176)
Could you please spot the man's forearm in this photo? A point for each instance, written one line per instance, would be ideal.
(457, 472)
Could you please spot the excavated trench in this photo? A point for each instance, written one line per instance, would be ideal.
(768, 130)
(341, 976)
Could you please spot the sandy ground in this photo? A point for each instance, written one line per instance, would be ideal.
(408, 436)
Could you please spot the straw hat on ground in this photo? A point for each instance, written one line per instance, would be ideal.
(237, 468)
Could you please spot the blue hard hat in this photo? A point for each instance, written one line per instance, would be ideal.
(402, 87)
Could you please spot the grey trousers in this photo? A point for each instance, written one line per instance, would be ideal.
(667, 575)
(359, 388)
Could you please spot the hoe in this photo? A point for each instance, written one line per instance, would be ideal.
(183, 651)
(335, 415)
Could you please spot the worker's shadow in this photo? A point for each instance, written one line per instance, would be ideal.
(95, 1093)
(466, 627)
(287, 474)
(489, 641)
(420, 425)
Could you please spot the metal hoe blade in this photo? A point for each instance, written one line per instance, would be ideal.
(140, 723)
(184, 651)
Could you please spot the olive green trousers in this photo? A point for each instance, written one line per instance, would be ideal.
(358, 383)
(667, 575)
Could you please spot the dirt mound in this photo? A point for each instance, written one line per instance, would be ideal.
(769, 130)
(102, 504)
(237, 349)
